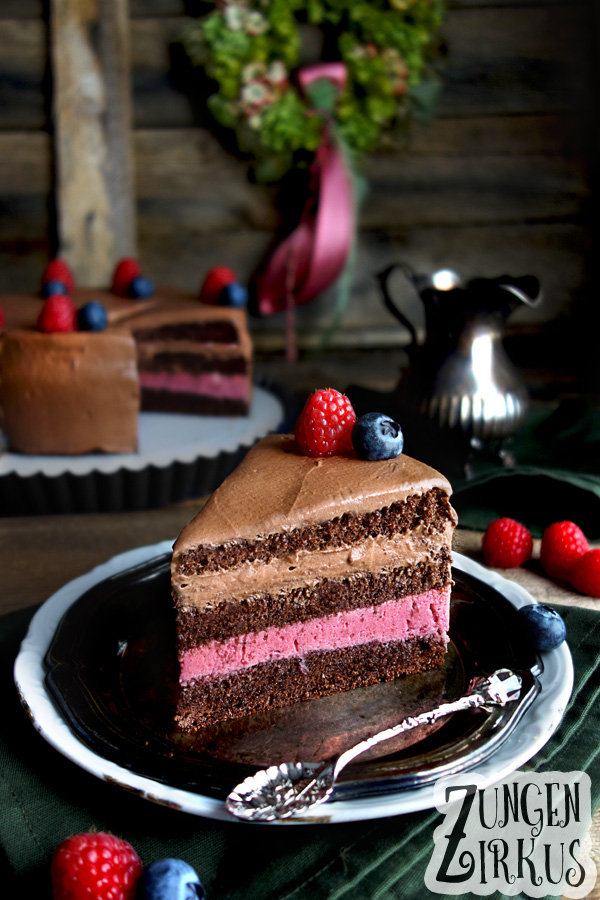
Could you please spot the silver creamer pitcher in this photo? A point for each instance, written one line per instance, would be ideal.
(460, 377)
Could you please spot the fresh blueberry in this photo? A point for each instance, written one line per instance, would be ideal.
(92, 317)
(376, 436)
(234, 294)
(171, 879)
(51, 288)
(141, 288)
(546, 627)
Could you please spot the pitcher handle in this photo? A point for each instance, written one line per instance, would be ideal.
(383, 279)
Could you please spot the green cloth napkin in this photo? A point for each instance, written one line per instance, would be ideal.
(44, 798)
(553, 475)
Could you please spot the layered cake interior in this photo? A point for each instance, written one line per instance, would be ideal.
(193, 358)
(304, 577)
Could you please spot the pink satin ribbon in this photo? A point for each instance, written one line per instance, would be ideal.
(312, 257)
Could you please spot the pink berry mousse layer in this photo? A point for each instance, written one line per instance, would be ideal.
(424, 615)
(209, 384)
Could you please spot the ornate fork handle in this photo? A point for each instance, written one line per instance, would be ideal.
(497, 690)
(285, 790)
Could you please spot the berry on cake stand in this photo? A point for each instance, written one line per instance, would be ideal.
(59, 270)
(58, 314)
(125, 271)
(215, 281)
(92, 316)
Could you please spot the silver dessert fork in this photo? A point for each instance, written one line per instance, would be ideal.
(294, 787)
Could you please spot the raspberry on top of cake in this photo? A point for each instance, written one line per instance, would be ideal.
(309, 575)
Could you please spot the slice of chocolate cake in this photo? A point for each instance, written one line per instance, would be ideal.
(194, 359)
(303, 577)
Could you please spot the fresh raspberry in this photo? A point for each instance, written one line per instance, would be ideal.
(324, 426)
(59, 313)
(218, 278)
(59, 270)
(96, 866)
(125, 271)
(506, 544)
(585, 573)
(2, 318)
(562, 544)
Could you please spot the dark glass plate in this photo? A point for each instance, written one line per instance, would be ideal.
(111, 672)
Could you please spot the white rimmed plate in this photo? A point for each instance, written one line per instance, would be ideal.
(532, 732)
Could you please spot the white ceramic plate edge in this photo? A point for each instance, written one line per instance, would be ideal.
(534, 730)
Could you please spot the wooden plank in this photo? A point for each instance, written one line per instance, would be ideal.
(24, 241)
(23, 66)
(180, 160)
(35, 9)
(22, 9)
(555, 253)
(405, 192)
(185, 176)
(517, 60)
(92, 136)
(542, 134)
(180, 254)
(25, 162)
(501, 59)
(472, 189)
(477, 4)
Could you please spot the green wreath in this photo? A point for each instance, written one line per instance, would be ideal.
(250, 49)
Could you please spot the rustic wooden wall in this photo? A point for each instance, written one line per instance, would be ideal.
(500, 181)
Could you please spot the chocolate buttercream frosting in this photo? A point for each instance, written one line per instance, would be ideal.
(276, 488)
(70, 393)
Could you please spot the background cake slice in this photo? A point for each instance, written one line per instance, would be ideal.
(192, 358)
(187, 357)
(303, 577)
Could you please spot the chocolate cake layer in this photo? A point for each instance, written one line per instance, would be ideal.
(291, 680)
(195, 404)
(241, 616)
(198, 332)
(431, 510)
(277, 489)
(196, 364)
